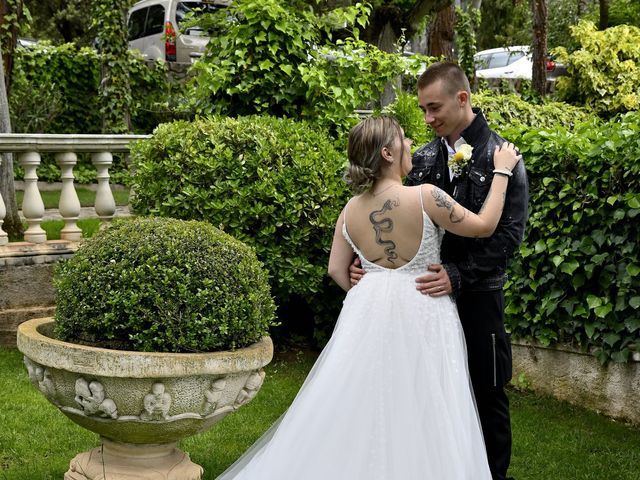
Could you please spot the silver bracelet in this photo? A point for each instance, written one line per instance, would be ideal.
(503, 171)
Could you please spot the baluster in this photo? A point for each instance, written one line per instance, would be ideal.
(69, 205)
(32, 206)
(105, 204)
(4, 239)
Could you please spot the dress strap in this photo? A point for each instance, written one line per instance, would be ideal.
(421, 201)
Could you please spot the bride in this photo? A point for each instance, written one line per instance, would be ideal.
(389, 397)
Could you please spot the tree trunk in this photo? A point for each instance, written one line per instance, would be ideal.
(441, 33)
(539, 54)
(582, 7)
(12, 224)
(604, 14)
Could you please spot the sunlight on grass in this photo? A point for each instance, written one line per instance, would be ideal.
(552, 440)
(89, 226)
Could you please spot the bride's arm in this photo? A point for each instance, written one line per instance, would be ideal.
(446, 212)
(340, 257)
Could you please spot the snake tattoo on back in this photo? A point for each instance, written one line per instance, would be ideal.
(385, 225)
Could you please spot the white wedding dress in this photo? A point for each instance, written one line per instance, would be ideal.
(389, 397)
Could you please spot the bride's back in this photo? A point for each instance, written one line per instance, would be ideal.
(387, 227)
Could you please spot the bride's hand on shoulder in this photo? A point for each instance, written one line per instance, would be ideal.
(506, 156)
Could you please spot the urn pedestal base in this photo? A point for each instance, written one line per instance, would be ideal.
(125, 461)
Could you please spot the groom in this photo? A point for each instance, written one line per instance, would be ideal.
(472, 270)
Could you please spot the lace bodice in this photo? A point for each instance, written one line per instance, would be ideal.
(428, 252)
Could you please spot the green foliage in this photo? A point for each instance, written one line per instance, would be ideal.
(407, 111)
(55, 89)
(278, 60)
(624, 12)
(13, 23)
(110, 18)
(61, 21)
(467, 23)
(577, 279)
(154, 284)
(604, 73)
(352, 75)
(272, 183)
(251, 65)
(501, 111)
(504, 23)
(505, 110)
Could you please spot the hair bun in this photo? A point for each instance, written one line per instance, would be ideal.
(359, 178)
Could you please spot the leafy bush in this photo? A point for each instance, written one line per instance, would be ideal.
(55, 90)
(506, 110)
(577, 279)
(501, 111)
(152, 284)
(278, 60)
(272, 183)
(604, 73)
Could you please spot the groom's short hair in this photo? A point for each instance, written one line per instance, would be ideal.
(452, 76)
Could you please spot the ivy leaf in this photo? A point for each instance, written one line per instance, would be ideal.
(594, 301)
(611, 338)
(633, 270)
(569, 267)
(604, 310)
(634, 302)
(632, 324)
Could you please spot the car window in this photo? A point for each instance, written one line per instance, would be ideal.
(195, 8)
(136, 23)
(482, 61)
(155, 20)
(499, 59)
(515, 56)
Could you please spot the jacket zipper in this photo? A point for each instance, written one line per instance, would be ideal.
(493, 344)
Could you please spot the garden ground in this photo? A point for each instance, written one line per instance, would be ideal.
(552, 440)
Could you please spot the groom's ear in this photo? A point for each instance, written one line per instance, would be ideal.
(463, 98)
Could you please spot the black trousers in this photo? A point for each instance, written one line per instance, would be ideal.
(489, 357)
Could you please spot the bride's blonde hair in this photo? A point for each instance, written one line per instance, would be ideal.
(366, 141)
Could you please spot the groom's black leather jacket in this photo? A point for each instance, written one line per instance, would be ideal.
(475, 264)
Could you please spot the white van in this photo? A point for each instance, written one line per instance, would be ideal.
(154, 29)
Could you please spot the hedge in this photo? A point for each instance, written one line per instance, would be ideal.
(275, 184)
(577, 278)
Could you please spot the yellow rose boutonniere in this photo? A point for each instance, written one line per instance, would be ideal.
(462, 155)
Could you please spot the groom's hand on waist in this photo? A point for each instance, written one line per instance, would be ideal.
(355, 271)
(436, 283)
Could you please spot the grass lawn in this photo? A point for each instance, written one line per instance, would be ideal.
(552, 440)
(87, 197)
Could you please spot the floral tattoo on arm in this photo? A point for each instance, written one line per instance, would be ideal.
(445, 201)
(385, 225)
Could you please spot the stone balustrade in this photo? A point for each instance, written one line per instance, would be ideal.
(28, 149)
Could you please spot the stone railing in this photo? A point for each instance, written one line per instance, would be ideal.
(28, 148)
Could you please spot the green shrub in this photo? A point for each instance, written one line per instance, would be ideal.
(577, 279)
(278, 60)
(502, 111)
(506, 110)
(152, 284)
(272, 183)
(55, 90)
(604, 72)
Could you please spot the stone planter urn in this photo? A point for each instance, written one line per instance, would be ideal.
(139, 403)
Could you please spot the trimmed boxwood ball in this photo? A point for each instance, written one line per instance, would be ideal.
(161, 284)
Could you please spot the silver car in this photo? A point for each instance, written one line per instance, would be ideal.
(154, 28)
